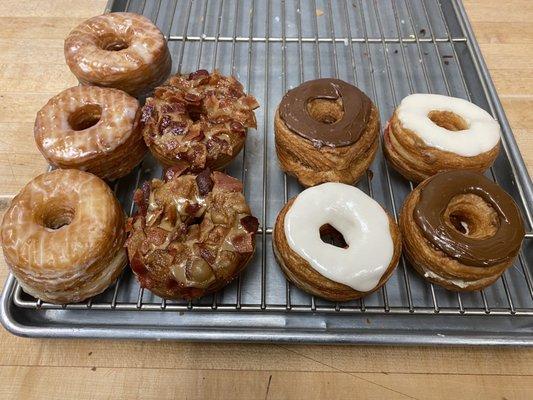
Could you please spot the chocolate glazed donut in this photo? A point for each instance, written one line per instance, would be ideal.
(326, 130)
(461, 230)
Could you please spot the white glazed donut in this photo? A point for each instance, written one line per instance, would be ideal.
(483, 131)
(430, 133)
(336, 273)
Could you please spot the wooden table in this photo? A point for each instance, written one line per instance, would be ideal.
(32, 69)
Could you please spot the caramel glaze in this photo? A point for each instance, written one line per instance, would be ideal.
(434, 198)
(357, 106)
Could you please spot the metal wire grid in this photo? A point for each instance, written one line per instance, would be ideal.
(404, 281)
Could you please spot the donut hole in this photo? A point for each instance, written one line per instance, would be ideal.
(195, 113)
(56, 216)
(472, 216)
(448, 120)
(113, 43)
(85, 117)
(332, 236)
(325, 111)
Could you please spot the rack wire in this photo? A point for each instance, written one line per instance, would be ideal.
(387, 48)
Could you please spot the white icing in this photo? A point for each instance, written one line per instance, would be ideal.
(456, 282)
(362, 222)
(483, 131)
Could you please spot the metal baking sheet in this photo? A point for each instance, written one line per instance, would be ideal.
(389, 49)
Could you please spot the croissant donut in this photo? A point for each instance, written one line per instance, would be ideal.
(430, 133)
(192, 235)
(93, 129)
(460, 230)
(326, 130)
(335, 242)
(63, 236)
(120, 50)
(198, 120)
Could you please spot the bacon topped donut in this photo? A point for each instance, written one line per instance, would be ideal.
(198, 120)
(192, 234)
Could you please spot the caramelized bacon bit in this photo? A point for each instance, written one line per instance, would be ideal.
(175, 171)
(192, 98)
(243, 243)
(198, 74)
(250, 223)
(226, 182)
(165, 122)
(156, 235)
(137, 265)
(141, 196)
(196, 135)
(207, 254)
(237, 127)
(192, 208)
(147, 112)
(204, 182)
(177, 128)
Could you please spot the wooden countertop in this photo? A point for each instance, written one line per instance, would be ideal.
(32, 70)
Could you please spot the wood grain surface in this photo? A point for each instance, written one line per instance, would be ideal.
(32, 70)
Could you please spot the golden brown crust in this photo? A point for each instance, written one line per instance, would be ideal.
(435, 265)
(299, 272)
(198, 120)
(312, 166)
(63, 236)
(119, 50)
(192, 235)
(93, 129)
(416, 161)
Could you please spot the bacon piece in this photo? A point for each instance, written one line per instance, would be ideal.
(192, 98)
(193, 208)
(250, 223)
(137, 265)
(204, 182)
(226, 182)
(207, 254)
(156, 235)
(237, 127)
(175, 171)
(198, 74)
(147, 112)
(165, 123)
(243, 243)
(141, 196)
(196, 135)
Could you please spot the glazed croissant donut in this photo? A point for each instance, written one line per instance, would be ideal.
(192, 235)
(461, 230)
(198, 120)
(120, 50)
(93, 129)
(430, 133)
(326, 130)
(335, 242)
(63, 236)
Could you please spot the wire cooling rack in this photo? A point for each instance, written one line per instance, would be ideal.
(388, 49)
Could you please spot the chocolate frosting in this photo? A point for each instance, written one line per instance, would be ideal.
(357, 106)
(429, 216)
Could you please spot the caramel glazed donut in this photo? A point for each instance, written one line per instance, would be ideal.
(93, 129)
(326, 131)
(192, 234)
(430, 133)
(63, 236)
(120, 50)
(198, 120)
(335, 242)
(460, 230)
